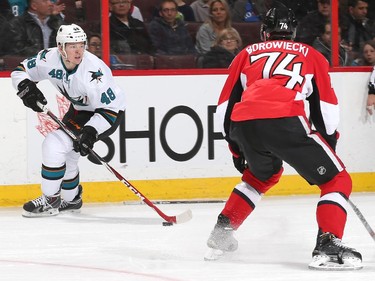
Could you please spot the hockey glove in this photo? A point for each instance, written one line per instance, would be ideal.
(87, 137)
(371, 88)
(30, 95)
(240, 163)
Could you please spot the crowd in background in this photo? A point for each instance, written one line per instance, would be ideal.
(210, 32)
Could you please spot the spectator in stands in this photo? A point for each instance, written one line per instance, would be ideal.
(169, 34)
(367, 56)
(356, 27)
(36, 29)
(186, 10)
(323, 44)
(309, 27)
(94, 45)
(201, 10)
(218, 20)
(127, 34)
(227, 45)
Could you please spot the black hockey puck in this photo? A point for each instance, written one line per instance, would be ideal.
(166, 223)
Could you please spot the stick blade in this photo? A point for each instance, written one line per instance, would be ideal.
(184, 217)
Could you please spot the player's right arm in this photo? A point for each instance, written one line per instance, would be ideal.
(24, 78)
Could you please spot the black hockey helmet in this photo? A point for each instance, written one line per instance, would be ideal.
(279, 24)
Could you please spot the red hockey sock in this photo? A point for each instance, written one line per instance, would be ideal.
(331, 211)
(240, 204)
(331, 218)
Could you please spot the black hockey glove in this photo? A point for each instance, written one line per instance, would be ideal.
(30, 95)
(87, 137)
(239, 163)
(371, 88)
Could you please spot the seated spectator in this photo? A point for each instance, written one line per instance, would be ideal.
(18, 7)
(367, 56)
(208, 31)
(323, 44)
(127, 34)
(201, 10)
(185, 10)
(169, 34)
(309, 27)
(36, 29)
(94, 45)
(227, 45)
(356, 27)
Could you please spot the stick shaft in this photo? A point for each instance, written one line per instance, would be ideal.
(362, 219)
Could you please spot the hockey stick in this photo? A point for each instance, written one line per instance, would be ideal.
(181, 218)
(362, 219)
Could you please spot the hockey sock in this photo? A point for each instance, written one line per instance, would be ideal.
(331, 210)
(331, 213)
(69, 188)
(51, 179)
(240, 204)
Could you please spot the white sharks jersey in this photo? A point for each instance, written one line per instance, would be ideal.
(89, 87)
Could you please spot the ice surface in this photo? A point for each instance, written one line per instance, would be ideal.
(110, 242)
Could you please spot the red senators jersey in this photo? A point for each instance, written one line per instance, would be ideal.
(274, 79)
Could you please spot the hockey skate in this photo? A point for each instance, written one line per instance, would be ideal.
(331, 254)
(73, 206)
(221, 240)
(43, 206)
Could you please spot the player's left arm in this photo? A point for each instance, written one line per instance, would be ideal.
(109, 102)
(324, 107)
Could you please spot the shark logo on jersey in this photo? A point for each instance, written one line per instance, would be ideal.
(43, 55)
(82, 101)
(96, 75)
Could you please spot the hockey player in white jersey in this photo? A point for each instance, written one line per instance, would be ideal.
(97, 106)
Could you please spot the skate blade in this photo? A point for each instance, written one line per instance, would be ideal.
(213, 254)
(325, 263)
(71, 211)
(50, 213)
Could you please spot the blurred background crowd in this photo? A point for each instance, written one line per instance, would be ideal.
(169, 34)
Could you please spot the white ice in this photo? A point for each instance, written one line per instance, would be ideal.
(110, 242)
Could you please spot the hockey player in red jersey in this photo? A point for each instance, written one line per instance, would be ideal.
(262, 107)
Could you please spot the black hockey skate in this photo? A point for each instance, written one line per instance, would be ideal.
(331, 254)
(74, 205)
(221, 239)
(43, 206)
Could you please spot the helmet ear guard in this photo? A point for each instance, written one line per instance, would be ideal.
(279, 24)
